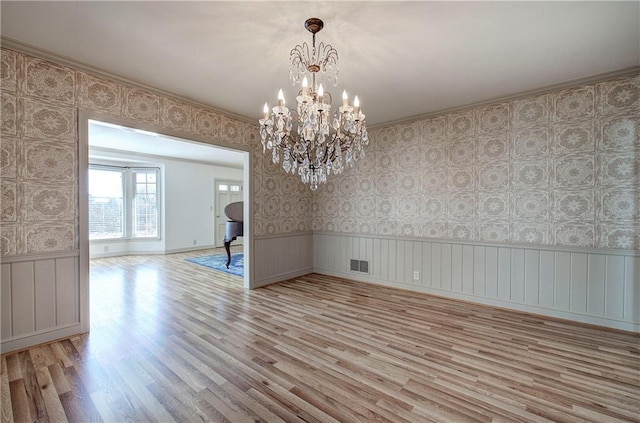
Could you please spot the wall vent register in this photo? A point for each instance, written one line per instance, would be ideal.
(359, 266)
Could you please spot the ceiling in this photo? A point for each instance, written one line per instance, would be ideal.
(105, 138)
(403, 59)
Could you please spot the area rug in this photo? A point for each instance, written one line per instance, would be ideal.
(219, 262)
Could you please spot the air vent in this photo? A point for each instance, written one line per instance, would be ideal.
(355, 265)
(359, 266)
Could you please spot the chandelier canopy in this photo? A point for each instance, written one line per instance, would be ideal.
(307, 140)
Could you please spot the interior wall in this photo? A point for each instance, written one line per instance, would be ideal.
(189, 209)
(560, 168)
(41, 98)
(557, 172)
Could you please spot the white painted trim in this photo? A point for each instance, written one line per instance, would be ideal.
(282, 277)
(248, 243)
(40, 337)
(285, 235)
(123, 254)
(538, 247)
(83, 218)
(180, 250)
(152, 252)
(39, 256)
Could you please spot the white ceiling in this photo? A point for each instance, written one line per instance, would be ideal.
(403, 59)
(105, 138)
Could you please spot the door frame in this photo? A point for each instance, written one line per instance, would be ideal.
(83, 198)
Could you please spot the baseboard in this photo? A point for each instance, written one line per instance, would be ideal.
(526, 308)
(107, 255)
(281, 277)
(41, 337)
(189, 249)
(151, 252)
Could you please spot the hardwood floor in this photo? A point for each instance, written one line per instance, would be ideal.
(175, 341)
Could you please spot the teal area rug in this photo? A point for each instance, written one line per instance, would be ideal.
(219, 262)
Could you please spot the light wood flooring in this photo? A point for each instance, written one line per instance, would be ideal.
(175, 341)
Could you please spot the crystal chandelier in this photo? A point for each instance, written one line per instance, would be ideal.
(307, 139)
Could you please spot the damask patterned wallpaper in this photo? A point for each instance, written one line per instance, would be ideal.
(39, 151)
(555, 169)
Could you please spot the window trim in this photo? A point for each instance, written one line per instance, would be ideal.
(129, 193)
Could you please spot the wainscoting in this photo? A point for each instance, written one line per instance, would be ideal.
(41, 294)
(590, 286)
(40, 298)
(314, 349)
(282, 257)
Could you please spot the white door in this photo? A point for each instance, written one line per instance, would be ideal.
(226, 192)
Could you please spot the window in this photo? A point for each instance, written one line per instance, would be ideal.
(145, 204)
(227, 187)
(106, 203)
(123, 202)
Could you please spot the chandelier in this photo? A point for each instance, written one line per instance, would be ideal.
(308, 140)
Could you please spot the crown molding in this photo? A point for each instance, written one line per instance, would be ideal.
(67, 61)
(632, 71)
(20, 47)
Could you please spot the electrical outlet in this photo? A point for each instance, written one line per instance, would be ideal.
(194, 242)
(106, 248)
(416, 275)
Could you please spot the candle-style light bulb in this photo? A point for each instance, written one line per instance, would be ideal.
(265, 110)
(280, 98)
(356, 105)
(305, 86)
(320, 93)
(345, 98)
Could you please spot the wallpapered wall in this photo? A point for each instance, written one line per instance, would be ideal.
(556, 169)
(39, 150)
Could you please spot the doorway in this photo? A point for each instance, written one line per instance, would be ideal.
(226, 192)
(154, 136)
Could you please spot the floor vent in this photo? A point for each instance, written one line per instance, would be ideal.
(359, 266)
